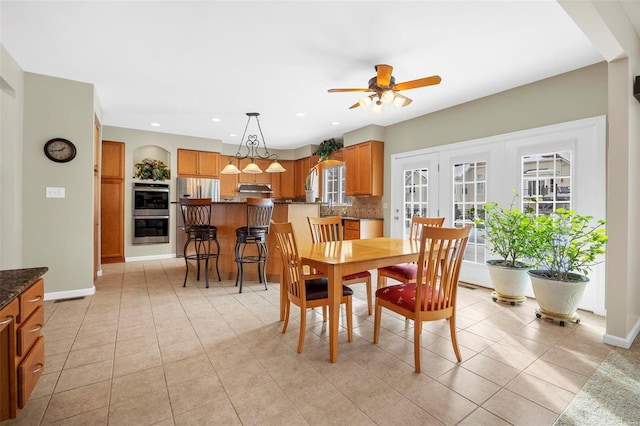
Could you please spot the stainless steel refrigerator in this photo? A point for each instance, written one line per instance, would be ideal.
(192, 188)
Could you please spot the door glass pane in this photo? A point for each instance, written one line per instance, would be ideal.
(469, 195)
(546, 182)
(416, 198)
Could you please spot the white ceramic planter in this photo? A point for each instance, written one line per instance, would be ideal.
(310, 195)
(558, 300)
(510, 283)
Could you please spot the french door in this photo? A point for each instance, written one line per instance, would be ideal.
(555, 166)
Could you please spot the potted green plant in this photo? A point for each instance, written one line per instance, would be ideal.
(326, 148)
(566, 246)
(508, 234)
(151, 169)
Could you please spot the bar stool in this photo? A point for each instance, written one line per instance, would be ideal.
(259, 211)
(196, 214)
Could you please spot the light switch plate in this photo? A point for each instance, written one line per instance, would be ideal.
(53, 192)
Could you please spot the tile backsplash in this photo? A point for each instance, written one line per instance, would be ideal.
(361, 207)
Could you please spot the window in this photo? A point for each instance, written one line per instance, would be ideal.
(546, 182)
(333, 185)
(416, 196)
(469, 198)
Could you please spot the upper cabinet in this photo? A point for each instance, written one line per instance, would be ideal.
(302, 169)
(364, 165)
(282, 183)
(228, 183)
(198, 163)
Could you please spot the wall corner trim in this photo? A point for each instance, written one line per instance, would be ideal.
(623, 342)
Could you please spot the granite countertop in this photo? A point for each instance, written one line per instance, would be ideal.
(361, 218)
(15, 281)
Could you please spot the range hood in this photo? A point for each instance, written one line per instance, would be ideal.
(255, 188)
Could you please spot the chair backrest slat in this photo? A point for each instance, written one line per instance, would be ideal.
(325, 229)
(441, 254)
(291, 261)
(259, 212)
(418, 222)
(196, 212)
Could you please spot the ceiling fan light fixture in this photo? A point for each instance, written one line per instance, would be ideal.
(364, 102)
(399, 101)
(387, 96)
(377, 108)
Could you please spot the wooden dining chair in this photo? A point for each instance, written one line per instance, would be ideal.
(304, 291)
(441, 253)
(408, 272)
(329, 228)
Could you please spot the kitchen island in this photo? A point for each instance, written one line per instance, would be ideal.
(227, 216)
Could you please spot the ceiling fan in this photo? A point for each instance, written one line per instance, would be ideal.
(385, 89)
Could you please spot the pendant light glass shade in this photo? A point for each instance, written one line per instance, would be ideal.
(275, 167)
(252, 168)
(230, 169)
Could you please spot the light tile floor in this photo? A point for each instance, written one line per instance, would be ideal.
(144, 350)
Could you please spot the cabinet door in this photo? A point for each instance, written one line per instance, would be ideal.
(228, 183)
(263, 177)
(351, 168)
(112, 202)
(187, 162)
(208, 164)
(283, 183)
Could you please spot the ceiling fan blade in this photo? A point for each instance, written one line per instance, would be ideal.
(349, 90)
(384, 74)
(357, 104)
(421, 82)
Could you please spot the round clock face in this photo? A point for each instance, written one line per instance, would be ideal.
(60, 150)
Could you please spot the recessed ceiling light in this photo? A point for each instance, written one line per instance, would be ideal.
(155, 124)
(335, 123)
(233, 135)
(300, 114)
(215, 119)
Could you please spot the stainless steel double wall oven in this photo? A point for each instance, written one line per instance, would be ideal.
(150, 213)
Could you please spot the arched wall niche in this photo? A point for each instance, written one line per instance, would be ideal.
(152, 152)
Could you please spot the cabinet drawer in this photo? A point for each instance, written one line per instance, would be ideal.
(30, 299)
(10, 311)
(30, 371)
(350, 234)
(30, 330)
(353, 225)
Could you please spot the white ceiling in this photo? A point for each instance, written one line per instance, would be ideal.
(182, 63)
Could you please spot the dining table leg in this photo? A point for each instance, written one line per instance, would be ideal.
(335, 296)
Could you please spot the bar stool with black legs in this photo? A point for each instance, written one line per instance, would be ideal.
(196, 214)
(259, 211)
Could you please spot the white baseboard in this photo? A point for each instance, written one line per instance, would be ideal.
(152, 257)
(620, 342)
(70, 294)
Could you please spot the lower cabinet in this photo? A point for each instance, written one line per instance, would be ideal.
(21, 349)
(360, 229)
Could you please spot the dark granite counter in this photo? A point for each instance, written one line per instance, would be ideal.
(15, 281)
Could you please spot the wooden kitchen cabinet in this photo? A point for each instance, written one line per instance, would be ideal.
(204, 164)
(360, 229)
(261, 178)
(283, 183)
(228, 183)
(302, 168)
(21, 348)
(112, 203)
(364, 165)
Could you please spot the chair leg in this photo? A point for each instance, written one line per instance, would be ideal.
(350, 319)
(215, 240)
(287, 308)
(198, 247)
(303, 328)
(369, 302)
(265, 254)
(376, 323)
(186, 262)
(237, 253)
(454, 338)
(417, 331)
(207, 251)
(324, 314)
(382, 281)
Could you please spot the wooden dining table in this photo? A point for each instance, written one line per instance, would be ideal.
(339, 258)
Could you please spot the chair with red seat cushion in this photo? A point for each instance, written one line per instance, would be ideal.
(305, 291)
(408, 272)
(438, 266)
(330, 229)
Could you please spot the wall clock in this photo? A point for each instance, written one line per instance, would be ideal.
(60, 150)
